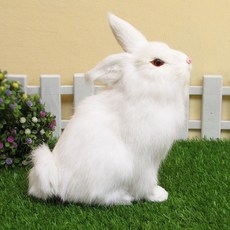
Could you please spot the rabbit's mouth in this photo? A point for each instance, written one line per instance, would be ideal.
(189, 60)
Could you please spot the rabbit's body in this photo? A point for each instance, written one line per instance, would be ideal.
(112, 148)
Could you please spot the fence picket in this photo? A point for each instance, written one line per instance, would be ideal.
(211, 106)
(51, 96)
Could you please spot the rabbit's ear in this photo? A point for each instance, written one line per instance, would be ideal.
(128, 37)
(109, 70)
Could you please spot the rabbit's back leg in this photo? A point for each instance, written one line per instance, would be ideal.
(118, 197)
(111, 182)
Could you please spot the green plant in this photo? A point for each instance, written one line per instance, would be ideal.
(24, 123)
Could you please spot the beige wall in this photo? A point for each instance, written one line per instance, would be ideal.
(68, 36)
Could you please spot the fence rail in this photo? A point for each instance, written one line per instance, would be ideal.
(212, 93)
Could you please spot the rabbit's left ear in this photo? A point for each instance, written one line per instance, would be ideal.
(128, 37)
(109, 70)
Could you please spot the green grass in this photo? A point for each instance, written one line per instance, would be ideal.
(196, 175)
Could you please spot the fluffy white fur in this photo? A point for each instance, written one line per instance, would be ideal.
(112, 148)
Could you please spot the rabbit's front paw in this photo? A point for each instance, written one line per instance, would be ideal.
(159, 194)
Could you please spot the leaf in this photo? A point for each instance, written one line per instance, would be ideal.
(21, 131)
(2, 157)
(7, 101)
(25, 162)
(16, 160)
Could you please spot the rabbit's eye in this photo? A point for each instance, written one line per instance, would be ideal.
(157, 62)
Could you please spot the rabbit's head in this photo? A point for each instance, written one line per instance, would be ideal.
(151, 66)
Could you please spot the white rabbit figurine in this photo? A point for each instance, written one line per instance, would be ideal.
(112, 148)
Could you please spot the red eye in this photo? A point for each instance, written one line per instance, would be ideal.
(157, 62)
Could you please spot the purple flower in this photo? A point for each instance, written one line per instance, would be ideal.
(29, 103)
(8, 92)
(28, 140)
(12, 106)
(14, 145)
(9, 161)
(53, 124)
(1, 145)
(10, 139)
(13, 131)
(42, 114)
(1, 100)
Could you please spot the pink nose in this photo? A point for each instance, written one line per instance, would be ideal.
(189, 60)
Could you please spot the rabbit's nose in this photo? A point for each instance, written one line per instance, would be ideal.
(189, 60)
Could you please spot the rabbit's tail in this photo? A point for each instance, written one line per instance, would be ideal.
(43, 177)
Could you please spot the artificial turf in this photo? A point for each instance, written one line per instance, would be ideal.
(195, 173)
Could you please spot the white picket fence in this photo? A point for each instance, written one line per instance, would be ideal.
(211, 92)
